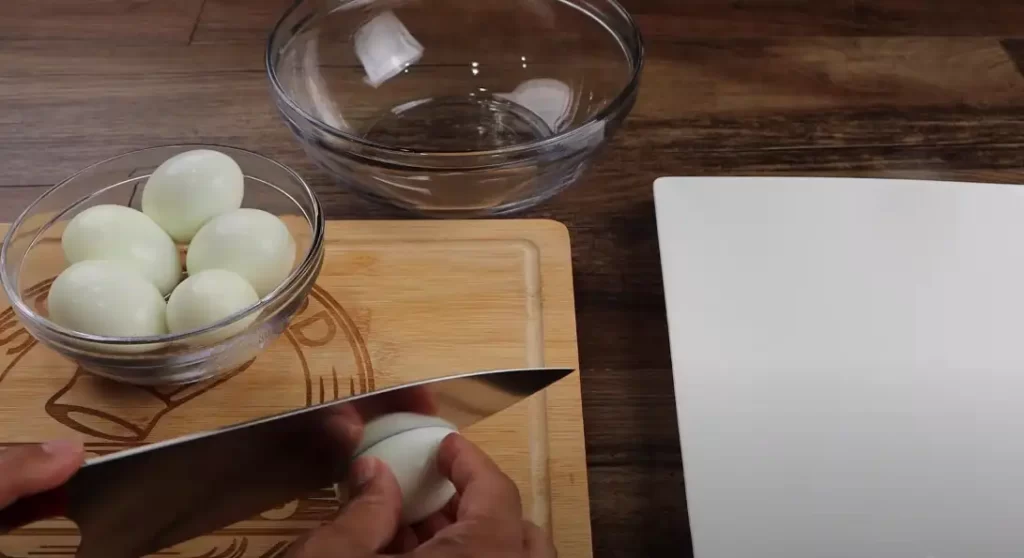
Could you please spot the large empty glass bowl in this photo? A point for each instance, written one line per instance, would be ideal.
(455, 107)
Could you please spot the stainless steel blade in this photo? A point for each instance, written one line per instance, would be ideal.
(140, 501)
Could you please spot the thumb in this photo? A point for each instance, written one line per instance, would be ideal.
(367, 523)
(26, 470)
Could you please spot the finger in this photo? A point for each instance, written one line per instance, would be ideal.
(407, 400)
(418, 399)
(405, 541)
(451, 509)
(344, 428)
(537, 542)
(371, 519)
(484, 490)
(368, 522)
(32, 469)
(426, 529)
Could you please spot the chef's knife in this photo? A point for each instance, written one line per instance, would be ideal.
(139, 501)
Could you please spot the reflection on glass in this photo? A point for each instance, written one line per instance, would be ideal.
(550, 99)
(385, 47)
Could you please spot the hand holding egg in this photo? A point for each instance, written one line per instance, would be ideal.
(408, 444)
(486, 520)
(125, 262)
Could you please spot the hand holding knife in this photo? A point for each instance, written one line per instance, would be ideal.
(146, 499)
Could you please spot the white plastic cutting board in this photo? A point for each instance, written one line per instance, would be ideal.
(849, 365)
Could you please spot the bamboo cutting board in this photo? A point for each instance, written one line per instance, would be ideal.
(395, 302)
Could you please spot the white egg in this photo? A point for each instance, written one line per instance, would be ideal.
(189, 189)
(116, 232)
(208, 297)
(251, 242)
(412, 457)
(106, 297)
(390, 424)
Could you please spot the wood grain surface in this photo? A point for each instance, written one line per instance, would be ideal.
(396, 302)
(894, 88)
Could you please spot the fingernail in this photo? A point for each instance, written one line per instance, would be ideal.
(453, 435)
(363, 471)
(61, 447)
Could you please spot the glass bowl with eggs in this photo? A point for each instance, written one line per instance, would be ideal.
(166, 265)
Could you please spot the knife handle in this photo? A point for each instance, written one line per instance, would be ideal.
(30, 509)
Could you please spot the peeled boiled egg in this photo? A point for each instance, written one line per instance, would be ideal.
(207, 298)
(411, 455)
(191, 188)
(386, 426)
(251, 242)
(116, 232)
(106, 297)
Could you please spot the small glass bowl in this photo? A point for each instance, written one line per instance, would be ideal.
(31, 257)
(455, 108)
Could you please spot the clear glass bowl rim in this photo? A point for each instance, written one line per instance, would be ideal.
(309, 259)
(635, 56)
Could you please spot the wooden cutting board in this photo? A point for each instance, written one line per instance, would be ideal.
(395, 302)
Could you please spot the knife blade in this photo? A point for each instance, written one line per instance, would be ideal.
(139, 501)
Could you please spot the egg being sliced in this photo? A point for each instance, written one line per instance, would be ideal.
(116, 232)
(191, 188)
(207, 298)
(251, 242)
(412, 458)
(106, 297)
(386, 426)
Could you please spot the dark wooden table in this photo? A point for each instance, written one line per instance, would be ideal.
(897, 88)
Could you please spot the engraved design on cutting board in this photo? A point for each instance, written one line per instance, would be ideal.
(108, 427)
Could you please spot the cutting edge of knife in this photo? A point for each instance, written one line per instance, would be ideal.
(565, 371)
